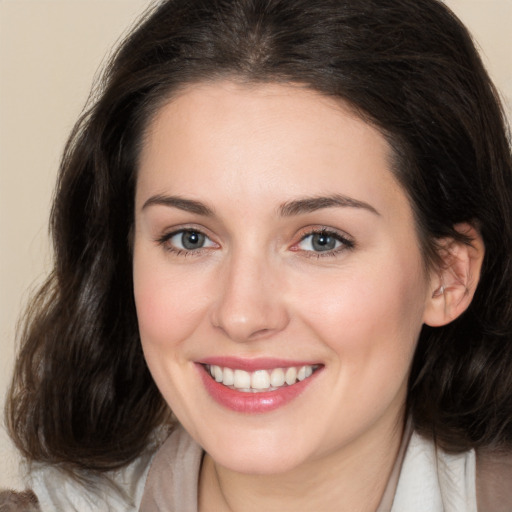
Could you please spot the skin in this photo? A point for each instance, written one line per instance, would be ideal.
(257, 289)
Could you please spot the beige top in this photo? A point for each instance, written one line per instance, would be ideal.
(174, 476)
(424, 479)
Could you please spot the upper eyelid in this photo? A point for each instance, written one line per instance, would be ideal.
(174, 230)
(327, 230)
(165, 236)
(304, 231)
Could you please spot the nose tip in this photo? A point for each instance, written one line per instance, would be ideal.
(249, 305)
(246, 328)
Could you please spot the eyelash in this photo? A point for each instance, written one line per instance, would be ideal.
(346, 243)
(164, 242)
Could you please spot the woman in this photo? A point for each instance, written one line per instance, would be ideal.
(289, 223)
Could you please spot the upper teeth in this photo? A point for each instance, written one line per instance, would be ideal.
(260, 379)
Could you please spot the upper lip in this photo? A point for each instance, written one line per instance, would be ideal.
(253, 364)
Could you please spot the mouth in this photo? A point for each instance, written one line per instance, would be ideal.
(260, 381)
(256, 386)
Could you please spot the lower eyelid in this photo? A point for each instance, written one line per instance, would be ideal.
(344, 243)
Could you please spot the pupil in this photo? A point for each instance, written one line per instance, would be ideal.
(192, 240)
(323, 242)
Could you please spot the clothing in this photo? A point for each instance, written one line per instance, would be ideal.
(117, 491)
(424, 479)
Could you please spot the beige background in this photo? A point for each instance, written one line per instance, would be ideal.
(49, 53)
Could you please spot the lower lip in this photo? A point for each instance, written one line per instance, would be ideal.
(253, 403)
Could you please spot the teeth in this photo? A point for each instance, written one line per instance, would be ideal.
(260, 380)
(277, 377)
(217, 373)
(242, 379)
(290, 376)
(304, 372)
(228, 377)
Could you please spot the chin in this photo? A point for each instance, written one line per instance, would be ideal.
(261, 463)
(256, 453)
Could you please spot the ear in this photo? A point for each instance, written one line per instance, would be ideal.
(453, 284)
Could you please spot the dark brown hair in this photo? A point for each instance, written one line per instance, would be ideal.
(82, 395)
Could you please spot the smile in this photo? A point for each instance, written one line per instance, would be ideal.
(260, 386)
(260, 380)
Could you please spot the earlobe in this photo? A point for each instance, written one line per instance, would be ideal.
(453, 285)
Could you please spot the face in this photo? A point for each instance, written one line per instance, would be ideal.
(278, 278)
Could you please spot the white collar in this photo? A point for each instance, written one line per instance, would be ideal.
(432, 480)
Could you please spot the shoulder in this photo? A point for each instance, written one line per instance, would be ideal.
(494, 480)
(116, 491)
(432, 480)
(173, 478)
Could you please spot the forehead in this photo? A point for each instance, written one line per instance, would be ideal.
(270, 139)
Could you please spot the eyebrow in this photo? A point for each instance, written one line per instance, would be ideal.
(187, 205)
(311, 204)
(288, 209)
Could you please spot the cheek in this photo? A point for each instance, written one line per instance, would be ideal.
(169, 303)
(371, 331)
(370, 313)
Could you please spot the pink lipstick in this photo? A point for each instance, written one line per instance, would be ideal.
(255, 385)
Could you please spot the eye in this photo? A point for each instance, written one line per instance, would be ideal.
(186, 240)
(324, 241)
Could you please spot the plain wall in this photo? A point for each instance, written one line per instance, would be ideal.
(49, 53)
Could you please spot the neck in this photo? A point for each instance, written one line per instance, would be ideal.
(349, 479)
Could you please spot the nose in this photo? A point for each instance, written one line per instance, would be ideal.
(250, 304)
